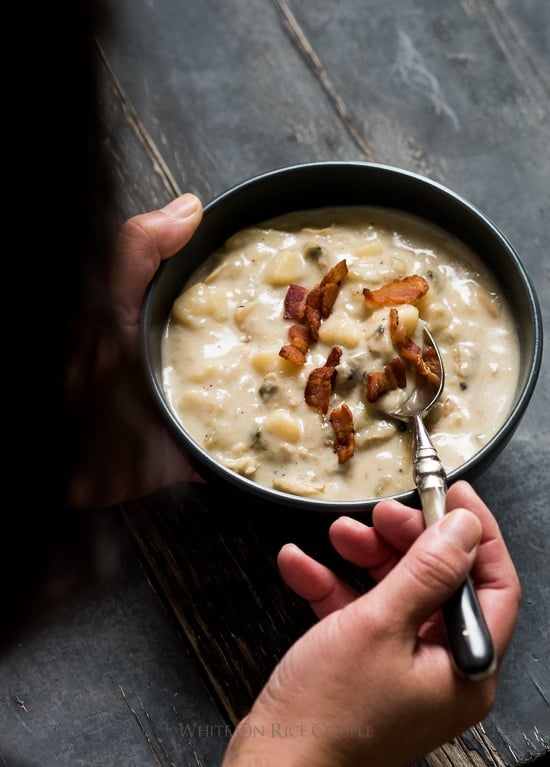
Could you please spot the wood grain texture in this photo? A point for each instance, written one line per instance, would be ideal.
(107, 683)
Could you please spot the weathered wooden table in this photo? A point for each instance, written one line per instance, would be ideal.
(200, 96)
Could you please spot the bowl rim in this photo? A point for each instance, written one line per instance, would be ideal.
(202, 460)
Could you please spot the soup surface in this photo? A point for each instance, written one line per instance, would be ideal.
(245, 397)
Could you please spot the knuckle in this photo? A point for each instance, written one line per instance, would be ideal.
(432, 569)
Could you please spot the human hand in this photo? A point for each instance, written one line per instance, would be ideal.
(126, 451)
(373, 682)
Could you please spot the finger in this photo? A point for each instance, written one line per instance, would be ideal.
(378, 549)
(433, 568)
(398, 524)
(363, 546)
(142, 243)
(313, 581)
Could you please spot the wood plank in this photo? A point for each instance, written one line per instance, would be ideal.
(216, 84)
(143, 181)
(107, 682)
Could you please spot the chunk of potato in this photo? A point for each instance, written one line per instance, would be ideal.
(408, 314)
(265, 361)
(280, 424)
(286, 267)
(200, 301)
(341, 330)
(437, 315)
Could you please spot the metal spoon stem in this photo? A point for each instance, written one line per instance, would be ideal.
(429, 475)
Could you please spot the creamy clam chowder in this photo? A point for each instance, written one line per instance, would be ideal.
(243, 399)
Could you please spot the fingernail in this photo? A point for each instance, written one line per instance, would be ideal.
(462, 528)
(182, 207)
(289, 547)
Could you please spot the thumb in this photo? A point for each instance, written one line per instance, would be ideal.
(433, 568)
(142, 243)
(168, 229)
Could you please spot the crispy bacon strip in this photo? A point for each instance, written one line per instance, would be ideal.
(292, 354)
(405, 291)
(319, 388)
(330, 285)
(398, 333)
(320, 382)
(313, 311)
(296, 350)
(320, 299)
(295, 302)
(311, 307)
(428, 365)
(341, 419)
(393, 376)
(299, 337)
(426, 362)
(334, 357)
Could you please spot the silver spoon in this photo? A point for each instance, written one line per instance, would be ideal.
(468, 636)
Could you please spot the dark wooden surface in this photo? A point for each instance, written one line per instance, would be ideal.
(199, 97)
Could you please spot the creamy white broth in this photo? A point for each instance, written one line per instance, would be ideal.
(243, 403)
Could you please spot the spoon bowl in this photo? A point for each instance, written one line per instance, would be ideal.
(427, 390)
(469, 638)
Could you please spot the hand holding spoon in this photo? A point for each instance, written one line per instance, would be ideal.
(469, 638)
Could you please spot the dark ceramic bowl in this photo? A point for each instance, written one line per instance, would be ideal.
(323, 184)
